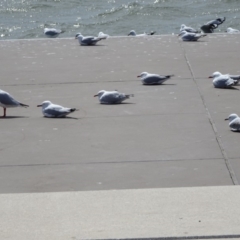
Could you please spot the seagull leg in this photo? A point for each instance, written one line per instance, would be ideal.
(4, 112)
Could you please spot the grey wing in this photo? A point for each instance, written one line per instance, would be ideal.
(90, 40)
(56, 112)
(110, 98)
(8, 100)
(155, 79)
(235, 125)
(191, 30)
(223, 82)
(235, 77)
(189, 37)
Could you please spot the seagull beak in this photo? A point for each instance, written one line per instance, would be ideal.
(96, 95)
(139, 76)
(40, 105)
(210, 77)
(226, 119)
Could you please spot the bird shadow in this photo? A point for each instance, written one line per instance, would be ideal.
(62, 118)
(97, 45)
(12, 117)
(229, 88)
(159, 84)
(111, 104)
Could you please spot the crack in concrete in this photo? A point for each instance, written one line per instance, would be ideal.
(219, 141)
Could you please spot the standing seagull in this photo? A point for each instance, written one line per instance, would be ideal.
(188, 29)
(7, 101)
(88, 40)
(234, 122)
(55, 111)
(153, 79)
(222, 81)
(112, 97)
(190, 37)
(52, 32)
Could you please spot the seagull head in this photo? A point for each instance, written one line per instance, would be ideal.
(232, 117)
(182, 27)
(132, 33)
(215, 74)
(78, 35)
(143, 74)
(100, 93)
(44, 104)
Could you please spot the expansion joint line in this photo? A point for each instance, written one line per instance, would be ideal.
(219, 141)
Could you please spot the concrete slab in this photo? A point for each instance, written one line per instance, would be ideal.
(123, 214)
(172, 135)
(117, 59)
(85, 176)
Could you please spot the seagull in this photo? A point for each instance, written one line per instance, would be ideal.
(234, 122)
(217, 21)
(211, 25)
(153, 79)
(232, 30)
(236, 78)
(222, 81)
(7, 101)
(187, 36)
(88, 40)
(133, 33)
(103, 35)
(188, 29)
(52, 32)
(112, 97)
(52, 110)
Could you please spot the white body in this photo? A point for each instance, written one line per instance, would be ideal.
(222, 81)
(234, 122)
(88, 40)
(191, 37)
(111, 97)
(153, 79)
(52, 32)
(52, 110)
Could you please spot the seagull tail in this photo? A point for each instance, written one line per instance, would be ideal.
(203, 35)
(23, 105)
(130, 95)
(168, 76)
(73, 109)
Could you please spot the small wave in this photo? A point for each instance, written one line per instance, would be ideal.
(129, 6)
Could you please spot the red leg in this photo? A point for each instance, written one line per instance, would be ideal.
(4, 112)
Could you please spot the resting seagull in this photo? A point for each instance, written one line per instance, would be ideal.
(191, 37)
(188, 29)
(7, 101)
(222, 81)
(232, 30)
(112, 97)
(133, 33)
(88, 40)
(52, 110)
(153, 79)
(234, 122)
(52, 32)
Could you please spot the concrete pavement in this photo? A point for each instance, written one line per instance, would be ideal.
(167, 136)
